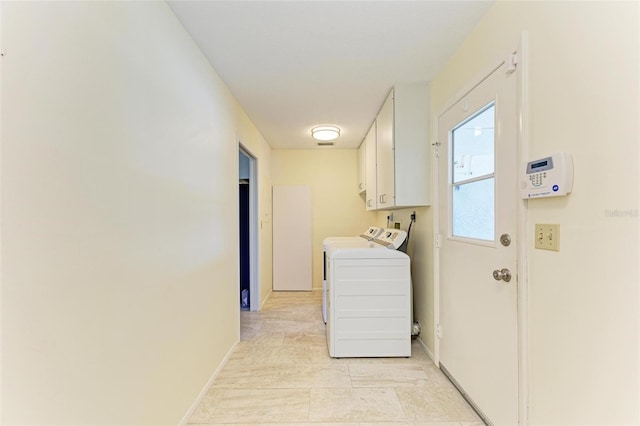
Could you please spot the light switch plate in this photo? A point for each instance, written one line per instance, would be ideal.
(547, 236)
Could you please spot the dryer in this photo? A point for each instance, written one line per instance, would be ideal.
(368, 298)
(370, 234)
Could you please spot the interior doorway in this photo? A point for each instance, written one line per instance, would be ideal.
(249, 297)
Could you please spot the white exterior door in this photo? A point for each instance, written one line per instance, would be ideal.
(477, 192)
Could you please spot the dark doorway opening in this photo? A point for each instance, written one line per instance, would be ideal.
(245, 266)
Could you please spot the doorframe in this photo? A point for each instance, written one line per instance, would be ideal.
(254, 285)
(522, 153)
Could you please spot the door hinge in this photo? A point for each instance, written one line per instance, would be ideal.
(438, 242)
(436, 149)
(512, 63)
(439, 331)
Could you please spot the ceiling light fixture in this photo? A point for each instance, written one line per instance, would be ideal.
(325, 133)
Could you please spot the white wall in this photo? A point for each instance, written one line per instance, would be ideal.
(119, 210)
(583, 98)
(337, 209)
(244, 165)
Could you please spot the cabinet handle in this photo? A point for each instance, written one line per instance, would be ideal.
(382, 199)
(369, 203)
(361, 185)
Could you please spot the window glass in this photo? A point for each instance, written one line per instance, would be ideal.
(473, 215)
(473, 143)
(472, 184)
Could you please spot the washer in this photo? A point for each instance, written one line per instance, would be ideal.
(370, 234)
(369, 298)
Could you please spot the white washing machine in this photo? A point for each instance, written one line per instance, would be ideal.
(369, 298)
(370, 234)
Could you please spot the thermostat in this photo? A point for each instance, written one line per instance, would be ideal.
(548, 177)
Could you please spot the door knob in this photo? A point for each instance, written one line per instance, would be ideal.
(502, 274)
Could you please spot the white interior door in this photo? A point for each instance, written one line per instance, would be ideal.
(477, 190)
(292, 237)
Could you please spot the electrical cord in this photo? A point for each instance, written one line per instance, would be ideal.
(404, 246)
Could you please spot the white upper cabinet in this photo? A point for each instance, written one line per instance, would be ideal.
(370, 167)
(403, 160)
(385, 184)
(362, 168)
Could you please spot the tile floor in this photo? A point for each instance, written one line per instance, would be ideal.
(281, 373)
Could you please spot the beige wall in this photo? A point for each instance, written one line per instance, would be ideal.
(421, 252)
(584, 99)
(337, 209)
(119, 214)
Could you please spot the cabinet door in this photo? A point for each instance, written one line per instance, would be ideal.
(370, 169)
(385, 155)
(411, 148)
(362, 153)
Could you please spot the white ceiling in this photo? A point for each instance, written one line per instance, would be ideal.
(297, 64)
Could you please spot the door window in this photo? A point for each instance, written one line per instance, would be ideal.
(473, 175)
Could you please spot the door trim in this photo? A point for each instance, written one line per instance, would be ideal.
(254, 285)
(523, 137)
(522, 151)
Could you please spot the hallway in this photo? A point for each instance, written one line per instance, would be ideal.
(281, 372)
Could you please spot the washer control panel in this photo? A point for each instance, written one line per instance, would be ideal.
(392, 238)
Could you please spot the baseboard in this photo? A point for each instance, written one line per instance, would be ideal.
(426, 349)
(206, 387)
(265, 299)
